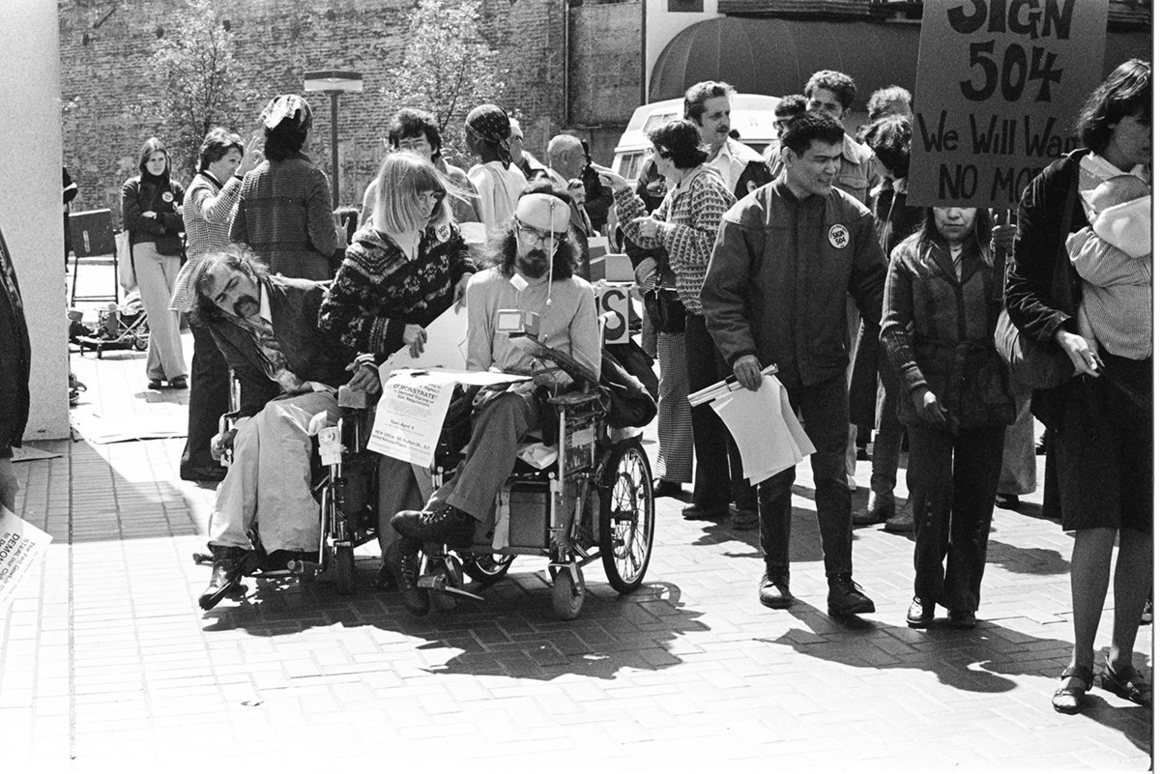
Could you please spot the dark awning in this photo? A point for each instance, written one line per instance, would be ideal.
(777, 56)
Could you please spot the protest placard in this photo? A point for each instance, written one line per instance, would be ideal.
(999, 82)
(21, 544)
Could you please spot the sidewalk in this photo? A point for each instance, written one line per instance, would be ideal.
(106, 659)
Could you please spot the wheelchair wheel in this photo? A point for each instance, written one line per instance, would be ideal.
(344, 569)
(627, 517)
(567, 595)
(486, 569)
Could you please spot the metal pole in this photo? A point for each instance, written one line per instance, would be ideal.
(334, 146)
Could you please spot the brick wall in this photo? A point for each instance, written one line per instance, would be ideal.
(109, 111)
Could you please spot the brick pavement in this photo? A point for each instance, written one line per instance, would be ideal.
(105, 658)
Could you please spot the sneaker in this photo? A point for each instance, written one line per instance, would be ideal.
(447, 525)
(846, 598)
(920, 613)
(903, 521)
(879, 508)
(774, 588)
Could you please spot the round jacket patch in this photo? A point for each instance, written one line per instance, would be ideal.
(839, 236)
(443, 233)
(167, 197)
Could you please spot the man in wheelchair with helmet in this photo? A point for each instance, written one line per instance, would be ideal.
(531, 287)
(267, 329)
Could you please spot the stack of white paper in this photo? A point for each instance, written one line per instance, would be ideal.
(763, 424)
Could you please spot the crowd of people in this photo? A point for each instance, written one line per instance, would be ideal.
(879, 315)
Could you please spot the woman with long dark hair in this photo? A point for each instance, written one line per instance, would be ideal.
(1099, 460)
(151, 213)
(943, 296)
(284, 210)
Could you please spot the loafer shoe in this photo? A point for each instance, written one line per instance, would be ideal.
(879, 508)
(1007, 501)
(919, 614)
(664, 488)
(696, 512)
(178, 384)
(154, 384)
(962, 619)
(774, 589)
(846, 598)
(903, 521)
(743, 518)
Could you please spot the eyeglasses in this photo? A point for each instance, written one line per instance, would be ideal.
(538, 235)
(662, 152)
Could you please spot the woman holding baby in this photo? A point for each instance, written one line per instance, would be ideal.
(1100, 315)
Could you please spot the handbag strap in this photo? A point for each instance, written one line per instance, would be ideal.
(1065, 291)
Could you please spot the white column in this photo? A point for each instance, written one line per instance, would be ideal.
(30, 198)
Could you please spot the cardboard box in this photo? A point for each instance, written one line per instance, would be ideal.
(614, 267)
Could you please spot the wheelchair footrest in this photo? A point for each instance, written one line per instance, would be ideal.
(303, 569)
(439, 583)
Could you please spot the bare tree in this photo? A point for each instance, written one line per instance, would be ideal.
(198, 79)
(447, 69)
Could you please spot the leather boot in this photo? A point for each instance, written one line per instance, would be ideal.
(402, 561)
(446, 525)
(227, 566)
(846, 597)
(774, 589)
(879, 508)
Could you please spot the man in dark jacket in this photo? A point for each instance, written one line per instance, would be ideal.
(775, 293)
(267, 329)
(15, 358)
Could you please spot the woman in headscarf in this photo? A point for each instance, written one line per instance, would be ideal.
(497, 180)
(284, 210)
(151, 213)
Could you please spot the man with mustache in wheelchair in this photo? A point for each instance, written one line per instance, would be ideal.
(267, 329)
(530, 277)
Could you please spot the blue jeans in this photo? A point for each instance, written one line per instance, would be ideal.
(825, 413)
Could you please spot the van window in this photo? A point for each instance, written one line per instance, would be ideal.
(630, 164)
(655, 120)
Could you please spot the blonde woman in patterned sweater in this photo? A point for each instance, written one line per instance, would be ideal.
(685, 224)
(406, 266)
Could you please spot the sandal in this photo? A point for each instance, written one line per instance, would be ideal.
(1066, 698)
(1129, 685)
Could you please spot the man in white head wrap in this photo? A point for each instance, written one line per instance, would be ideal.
(531, 275)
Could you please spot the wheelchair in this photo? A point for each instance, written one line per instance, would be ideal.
(344, 475)
(593, 502)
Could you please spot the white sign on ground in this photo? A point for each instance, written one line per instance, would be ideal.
(21, 544)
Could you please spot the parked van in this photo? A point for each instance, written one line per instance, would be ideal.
(751, 115)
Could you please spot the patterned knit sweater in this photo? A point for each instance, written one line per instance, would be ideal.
(690, 214)
(378, 292)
